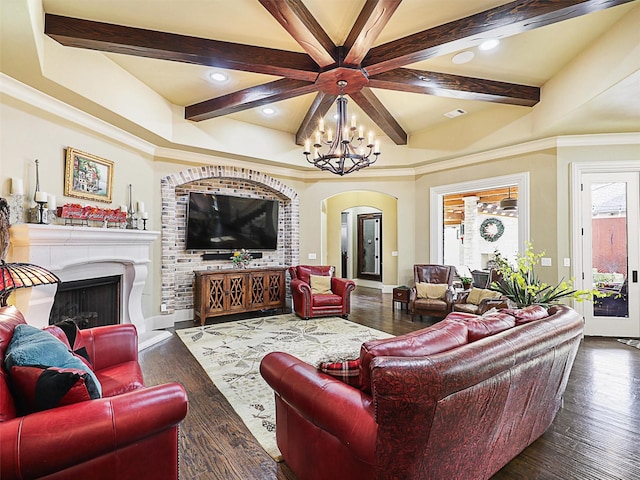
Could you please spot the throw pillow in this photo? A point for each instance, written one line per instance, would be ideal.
(347, 371)
(476, 295)
(320, 284)
(31, 346)
(433, 291)
(68, 333)
(42, 388)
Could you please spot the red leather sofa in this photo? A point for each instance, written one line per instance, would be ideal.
(463, 413)
(308, 305)
(129, 433)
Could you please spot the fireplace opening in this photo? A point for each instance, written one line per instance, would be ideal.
(89, 303)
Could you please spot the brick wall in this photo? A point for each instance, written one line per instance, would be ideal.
(179, 264)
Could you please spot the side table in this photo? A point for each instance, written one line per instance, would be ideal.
(400, 294)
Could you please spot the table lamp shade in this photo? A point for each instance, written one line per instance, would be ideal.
(22, 275)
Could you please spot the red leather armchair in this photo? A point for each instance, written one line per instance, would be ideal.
(435, 307)
(132, 432)
(457, 400)
(308, 305)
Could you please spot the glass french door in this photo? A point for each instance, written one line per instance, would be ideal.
(611, 252)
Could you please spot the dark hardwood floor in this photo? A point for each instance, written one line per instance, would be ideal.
(595, 436)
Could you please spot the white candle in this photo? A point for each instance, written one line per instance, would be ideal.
(370, 142)
(51, 202)
(330, 136)
(353, 122)
(123, 208)
(17, 187)
(145, 215)
(140, 206)
(41, 197)
(361, 133)
(307, 145)
(317, 138)
(321, 125)
(376, 148)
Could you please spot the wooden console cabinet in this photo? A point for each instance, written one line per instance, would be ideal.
(223, 292)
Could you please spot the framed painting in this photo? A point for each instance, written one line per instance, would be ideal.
(88, 176)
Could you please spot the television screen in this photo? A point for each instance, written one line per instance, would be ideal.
(226, 222)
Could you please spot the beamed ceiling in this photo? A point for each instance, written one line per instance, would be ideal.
(396, 56)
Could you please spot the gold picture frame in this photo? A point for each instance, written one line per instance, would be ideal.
(88, 176)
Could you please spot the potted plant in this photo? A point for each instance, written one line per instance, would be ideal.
(522, 287)
(241, 258)
(466, 282)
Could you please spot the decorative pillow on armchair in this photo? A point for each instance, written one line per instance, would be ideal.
(476, 295)
(68, 333)
(320, 284)
(347, 371)
(32, 347)
(41, 388)
(434, 291)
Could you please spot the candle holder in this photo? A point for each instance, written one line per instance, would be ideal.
(16, 209)
(144, 223)
(41, 210)
(131, 213)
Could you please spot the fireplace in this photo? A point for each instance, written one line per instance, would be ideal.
(81, 254)
(91, 302)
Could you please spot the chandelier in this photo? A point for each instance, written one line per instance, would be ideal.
(348, 151)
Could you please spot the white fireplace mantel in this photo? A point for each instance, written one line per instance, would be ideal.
(78, 253)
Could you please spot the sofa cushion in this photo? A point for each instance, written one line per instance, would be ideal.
(31, 346)
(485, 325)
(440, 337)
(320, 284)
(433, 291)
(68, 333)
(327, 300)
(526, 314)
(42, 388)
(347, 371)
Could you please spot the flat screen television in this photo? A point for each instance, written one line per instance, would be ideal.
(227, 222)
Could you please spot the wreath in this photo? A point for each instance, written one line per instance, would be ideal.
(491, 229)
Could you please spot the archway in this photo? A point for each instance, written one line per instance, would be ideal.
(332, 209)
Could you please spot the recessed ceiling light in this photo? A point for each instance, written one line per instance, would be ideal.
(218, 77)
(463, 57)
(489, 44)
(455, 113)
(269, 111)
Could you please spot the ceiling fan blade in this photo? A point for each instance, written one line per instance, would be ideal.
(319, 108)
(456, 86)
(372, 19)
(248, 98)
(505, 20)
(303, 27)
(374, 108)
(105, 37)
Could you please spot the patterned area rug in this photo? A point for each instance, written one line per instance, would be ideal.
(230, 353)
(632, 342)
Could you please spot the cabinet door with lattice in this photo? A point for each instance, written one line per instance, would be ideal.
(235, 292)
(274, 289)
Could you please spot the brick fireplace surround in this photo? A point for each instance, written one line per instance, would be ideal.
(79, 253)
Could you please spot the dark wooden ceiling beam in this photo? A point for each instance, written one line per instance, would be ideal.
(377, 112)
(319, 108)
(455, 86)
(248, 98)
(105, 37)
(372, 19)
(505, 20)
(304, 28)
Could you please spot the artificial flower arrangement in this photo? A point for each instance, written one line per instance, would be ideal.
(521, 285)
(241, 258)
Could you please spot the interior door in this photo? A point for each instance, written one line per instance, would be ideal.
(370, 246)
(611, 252)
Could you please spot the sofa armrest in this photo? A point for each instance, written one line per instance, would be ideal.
(46, 442)
(333, 406)
(111, 345)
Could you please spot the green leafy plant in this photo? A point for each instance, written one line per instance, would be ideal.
(466, 281)
(521, 285)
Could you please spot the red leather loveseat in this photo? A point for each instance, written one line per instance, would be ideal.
(306, 304)
(129, 433)
(463, 413)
